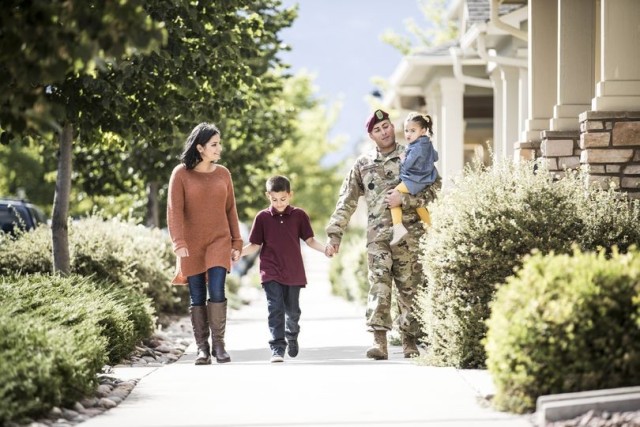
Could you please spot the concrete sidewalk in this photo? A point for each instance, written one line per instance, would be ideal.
(330, 383)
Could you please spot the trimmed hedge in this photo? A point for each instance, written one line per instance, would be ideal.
(45, 364)
(76, 301)
(564, 324)
(28, 252)
(56, 334)
(112, 251)
(482, 229)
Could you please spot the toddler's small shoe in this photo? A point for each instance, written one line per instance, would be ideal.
(399, 231)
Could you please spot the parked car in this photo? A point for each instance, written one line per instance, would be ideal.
(16, 213)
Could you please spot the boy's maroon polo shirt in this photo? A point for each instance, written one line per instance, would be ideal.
(280, 234)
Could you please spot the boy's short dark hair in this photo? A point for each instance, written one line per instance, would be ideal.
(278, 183)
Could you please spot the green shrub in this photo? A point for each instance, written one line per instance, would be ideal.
(68, 302)
(29, 253)
(132, 255)
(608, 220)
(482, 229)
(137, 307)
(565, 324)
(348, 270)
(112, 251)
(45, 364)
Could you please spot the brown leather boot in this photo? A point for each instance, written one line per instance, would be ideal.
(200, 324)
(218, 322)
(409, 346)
(379, 349)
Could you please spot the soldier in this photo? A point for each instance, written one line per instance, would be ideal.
(375, 176)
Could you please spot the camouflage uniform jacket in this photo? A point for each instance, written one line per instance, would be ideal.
(372, 175)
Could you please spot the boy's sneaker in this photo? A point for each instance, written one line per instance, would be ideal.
(277, 356)
(293, 348)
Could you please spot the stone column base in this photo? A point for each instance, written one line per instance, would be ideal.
(610, 144)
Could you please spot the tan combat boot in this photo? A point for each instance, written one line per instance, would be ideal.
(409, 346)
(379, 349)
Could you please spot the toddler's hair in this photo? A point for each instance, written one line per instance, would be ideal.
(278, 183)
(424, 120)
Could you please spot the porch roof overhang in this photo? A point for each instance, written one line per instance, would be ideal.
(416, 72)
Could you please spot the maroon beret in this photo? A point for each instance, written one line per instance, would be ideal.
(376, 117)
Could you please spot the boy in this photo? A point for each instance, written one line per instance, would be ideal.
(277, 231)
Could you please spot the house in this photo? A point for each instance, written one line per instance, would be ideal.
(552, 79)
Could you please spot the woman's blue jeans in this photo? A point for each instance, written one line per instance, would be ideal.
(198, 286)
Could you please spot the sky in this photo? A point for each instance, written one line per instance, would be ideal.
(339, 42)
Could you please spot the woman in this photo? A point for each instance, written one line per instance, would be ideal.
(203, 225)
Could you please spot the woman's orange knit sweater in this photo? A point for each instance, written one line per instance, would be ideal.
(202, 217)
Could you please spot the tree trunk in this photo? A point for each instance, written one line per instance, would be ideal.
(60, 215)
(153, 216)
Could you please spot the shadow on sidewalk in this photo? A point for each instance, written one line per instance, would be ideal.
(320, 356)
(311, 318)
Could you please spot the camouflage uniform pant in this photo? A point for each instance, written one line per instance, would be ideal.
(389, 265)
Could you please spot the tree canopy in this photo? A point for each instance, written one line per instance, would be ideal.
(45, 42)
(135, 75)
(219, 64)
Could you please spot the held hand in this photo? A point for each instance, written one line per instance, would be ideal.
(329, 251)
(393, 198)
(235, 255)
(182, 252)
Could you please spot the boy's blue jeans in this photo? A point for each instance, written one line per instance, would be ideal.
(283, 303)
(198, 286)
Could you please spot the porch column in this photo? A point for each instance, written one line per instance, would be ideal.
(509, 77)
(452, 130)
(576, 62)
(543, 19)
(523, 97)
(498, 116)
(619, 87)
(433, 99)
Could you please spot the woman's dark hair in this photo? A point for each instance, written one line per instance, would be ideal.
(424, 120)
(200, 135)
